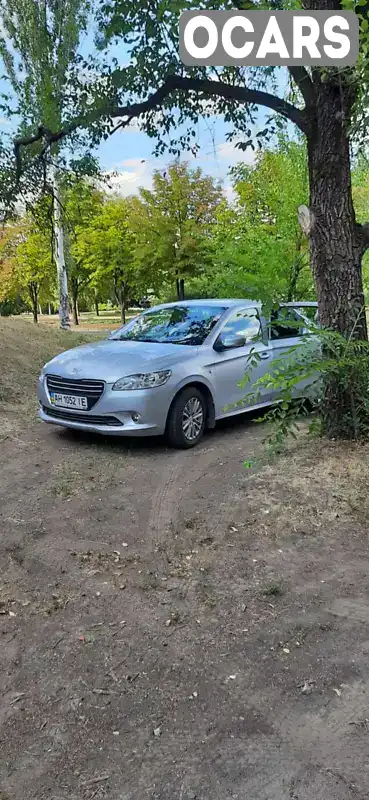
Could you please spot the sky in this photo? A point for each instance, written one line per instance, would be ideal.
(129, 153)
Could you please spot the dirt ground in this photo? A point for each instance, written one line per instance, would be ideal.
(173, 626)
(176, 628)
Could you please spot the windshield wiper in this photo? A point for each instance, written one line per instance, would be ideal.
(130, 339)
(154, 341)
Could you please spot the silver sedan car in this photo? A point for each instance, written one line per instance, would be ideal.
(175, 369)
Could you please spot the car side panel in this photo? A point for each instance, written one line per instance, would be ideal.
(282, 350)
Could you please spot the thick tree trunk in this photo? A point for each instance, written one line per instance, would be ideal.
(335, 247)
(59, 254)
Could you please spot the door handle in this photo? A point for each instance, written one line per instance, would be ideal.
(264, 356)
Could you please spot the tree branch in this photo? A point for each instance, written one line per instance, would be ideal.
(239, 94)
(299, 74)
(302, 79)
(242, 94)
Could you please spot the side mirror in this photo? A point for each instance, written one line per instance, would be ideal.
(228, 342)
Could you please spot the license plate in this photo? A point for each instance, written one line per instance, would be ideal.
(68, 400)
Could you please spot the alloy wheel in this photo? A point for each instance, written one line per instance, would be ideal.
(192, 418)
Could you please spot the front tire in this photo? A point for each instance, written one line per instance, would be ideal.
(186, 419)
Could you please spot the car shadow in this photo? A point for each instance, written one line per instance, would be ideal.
(228, 427)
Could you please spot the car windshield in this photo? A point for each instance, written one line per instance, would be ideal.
(173, 325)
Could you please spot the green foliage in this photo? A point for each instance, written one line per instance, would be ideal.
(82, 204)
(260, 250)
(39, 43)
(149, 33)
(185, 228)
(105, 248)
(328, 371)
(38, 47)
(12, 307)
(174, 223)
(26, 265)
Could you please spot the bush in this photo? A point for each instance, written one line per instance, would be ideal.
(9, 308)
(334, 373)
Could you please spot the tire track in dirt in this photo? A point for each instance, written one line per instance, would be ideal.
(177, 479)
(170, 492)
(164, 497)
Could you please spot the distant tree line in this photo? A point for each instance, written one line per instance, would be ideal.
(180, 238)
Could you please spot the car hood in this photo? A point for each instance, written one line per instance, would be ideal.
(112, 359)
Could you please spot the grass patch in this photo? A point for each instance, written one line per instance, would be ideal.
(65, 483)
(273, 589)
(24, 349)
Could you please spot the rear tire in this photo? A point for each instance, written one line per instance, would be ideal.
(187, 419)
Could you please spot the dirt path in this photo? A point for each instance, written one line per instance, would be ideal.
(175, 628)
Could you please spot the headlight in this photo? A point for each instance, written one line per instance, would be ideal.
(143, 381)
(42, 373)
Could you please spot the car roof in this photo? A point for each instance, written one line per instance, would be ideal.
(227, 303)
(299, 304)
(231, 303)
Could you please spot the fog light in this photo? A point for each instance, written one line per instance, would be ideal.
(135, 417)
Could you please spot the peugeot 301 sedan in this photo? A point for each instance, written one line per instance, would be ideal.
(175, 369)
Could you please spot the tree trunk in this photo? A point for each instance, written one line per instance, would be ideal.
(59, 253)
(74, 300)
(49, 309)
(335, 248)
(96, 307)
(123, 311)
(180, 288)
(295, 271)
(33, 293)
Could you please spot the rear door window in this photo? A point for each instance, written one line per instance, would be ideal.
(286, 323)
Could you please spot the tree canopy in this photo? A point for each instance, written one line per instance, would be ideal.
(260, 250)
(174, 225)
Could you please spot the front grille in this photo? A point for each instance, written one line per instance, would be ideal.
(80, 388)
(89, 419)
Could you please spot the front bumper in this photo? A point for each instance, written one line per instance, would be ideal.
(112, 414)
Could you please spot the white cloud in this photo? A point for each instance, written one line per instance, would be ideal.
(227, 151)
(132, 163)
(132, 173)
(136, 172)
